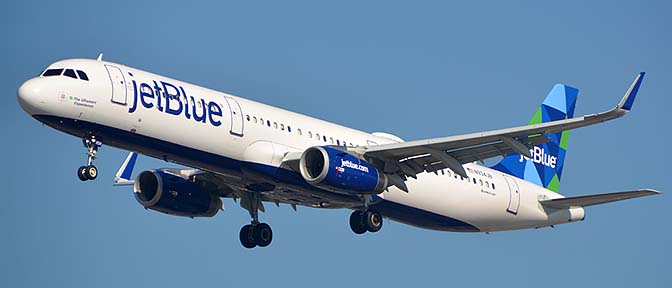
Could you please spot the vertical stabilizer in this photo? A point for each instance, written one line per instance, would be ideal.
(545, 166)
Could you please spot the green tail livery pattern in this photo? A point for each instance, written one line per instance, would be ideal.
(544, 168)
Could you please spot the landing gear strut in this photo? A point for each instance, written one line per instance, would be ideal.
(89, 172)
(367, 220)
(255, 234)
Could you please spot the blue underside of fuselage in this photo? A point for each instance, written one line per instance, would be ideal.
(212, 162)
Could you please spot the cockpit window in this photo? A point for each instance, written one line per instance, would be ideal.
(70, 73)
(52, 72)
(82, 75)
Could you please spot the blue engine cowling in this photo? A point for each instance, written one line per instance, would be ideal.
(338, 171)
(172, 194)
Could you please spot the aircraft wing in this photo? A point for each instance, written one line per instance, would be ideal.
(410, 158)
(589, 200)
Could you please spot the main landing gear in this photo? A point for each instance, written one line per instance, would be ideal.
(366, 220)
(259, 234)
(255, 234)
(89, 172)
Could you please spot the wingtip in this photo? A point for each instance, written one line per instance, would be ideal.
(653, 191)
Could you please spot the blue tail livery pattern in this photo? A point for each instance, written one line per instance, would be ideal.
(544, 168)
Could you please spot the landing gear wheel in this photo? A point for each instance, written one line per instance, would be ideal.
(91, 172)
(246, 237)
(81, 173)
(373, 221)
(263, 235)
(91, 143)
(357, 222)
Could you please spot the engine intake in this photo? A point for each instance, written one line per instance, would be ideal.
(338, 171)
(172, 194)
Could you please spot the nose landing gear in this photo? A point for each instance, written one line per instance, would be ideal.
(89, 172)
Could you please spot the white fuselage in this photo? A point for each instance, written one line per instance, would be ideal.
(241, 139)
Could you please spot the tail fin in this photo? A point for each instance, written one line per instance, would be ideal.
(548, 159)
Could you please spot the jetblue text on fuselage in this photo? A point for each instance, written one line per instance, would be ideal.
(349, 164)
(539, 156)
(174, 100)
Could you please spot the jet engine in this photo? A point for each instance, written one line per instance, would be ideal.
(339, 171)
(172, 194)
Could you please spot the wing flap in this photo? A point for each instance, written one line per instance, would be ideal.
(596, 199)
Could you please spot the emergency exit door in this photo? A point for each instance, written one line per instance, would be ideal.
(236, 117)
(514, 195)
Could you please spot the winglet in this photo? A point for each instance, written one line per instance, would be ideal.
(629, 98)
(123, 176)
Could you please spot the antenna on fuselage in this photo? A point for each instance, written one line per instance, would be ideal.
(100, 57)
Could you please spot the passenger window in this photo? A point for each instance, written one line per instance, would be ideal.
(310, 134)
(338, 142)
(474, 180)
(493, 185)
(331, 140)
(487, 184)
(83, 76)
(298, 131)
(289, 128)
(282, 127)
(247, 117)
(275, 125)
(448, 173)
(268, 122)
(254, 119)
(480, 182)
(317, 136)
(70, 73)
(52, 72)
(324, 138)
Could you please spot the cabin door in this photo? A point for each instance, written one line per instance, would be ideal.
(118, 84)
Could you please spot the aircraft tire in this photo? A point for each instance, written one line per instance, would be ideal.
(81, 173)
(91, 172)
(246, 237)
(357, 222)
(373, 220)
(263, 235)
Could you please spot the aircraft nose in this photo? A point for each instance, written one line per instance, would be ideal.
(29, 96)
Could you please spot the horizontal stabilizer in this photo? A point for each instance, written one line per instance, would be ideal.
(589, 200)
(123, 176)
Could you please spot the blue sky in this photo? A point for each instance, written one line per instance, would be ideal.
(417, 70)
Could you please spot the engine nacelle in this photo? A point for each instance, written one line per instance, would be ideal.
(338, 171)
(171, 194)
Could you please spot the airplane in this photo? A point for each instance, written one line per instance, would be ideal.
(257, 154)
